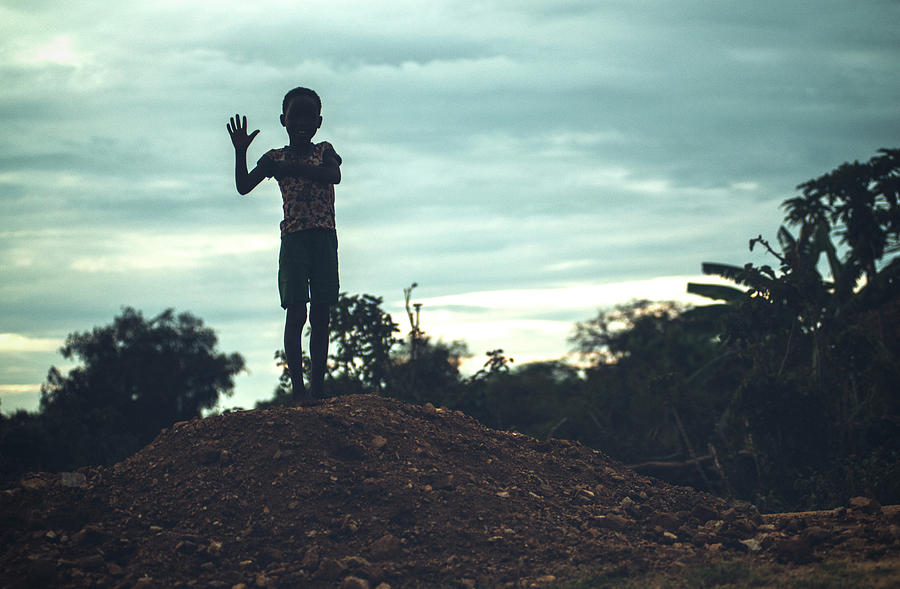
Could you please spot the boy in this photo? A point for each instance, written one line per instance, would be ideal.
(307, 263)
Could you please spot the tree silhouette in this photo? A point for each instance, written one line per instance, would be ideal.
(817, 333)
(134, 378)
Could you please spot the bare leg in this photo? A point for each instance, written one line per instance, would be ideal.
(318, 347)
(293, 351)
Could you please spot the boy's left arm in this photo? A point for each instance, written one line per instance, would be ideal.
(329, 172)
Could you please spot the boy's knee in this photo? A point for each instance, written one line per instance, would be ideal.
(296, 314)
(319, 315)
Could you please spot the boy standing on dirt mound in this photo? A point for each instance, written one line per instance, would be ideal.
(307, 263)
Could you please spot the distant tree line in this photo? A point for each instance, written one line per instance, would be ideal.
(135, 377)
(782, 393)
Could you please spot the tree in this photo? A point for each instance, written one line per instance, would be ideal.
(657, 380)
(134, 378)
(822, 347)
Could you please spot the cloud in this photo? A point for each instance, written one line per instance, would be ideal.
(14, 342)
(19, 389)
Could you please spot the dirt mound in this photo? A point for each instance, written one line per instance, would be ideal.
(362, 491)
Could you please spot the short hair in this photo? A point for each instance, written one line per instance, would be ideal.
(298, 92)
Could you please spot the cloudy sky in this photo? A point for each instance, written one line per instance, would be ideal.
(526, 162)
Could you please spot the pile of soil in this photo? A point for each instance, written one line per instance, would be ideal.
(366, 491)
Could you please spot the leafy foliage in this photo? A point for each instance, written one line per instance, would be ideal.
(134, 378)
(822, 350)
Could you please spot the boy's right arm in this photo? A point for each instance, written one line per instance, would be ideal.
(244, 181)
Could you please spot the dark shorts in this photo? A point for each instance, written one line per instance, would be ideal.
(308, 268)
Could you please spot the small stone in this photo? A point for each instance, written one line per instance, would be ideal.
(743, 525)
(383, 586)
(385, 547)
(611, 522)
(865, 505)
(665, 520)
(92, 563)
(546, 579)
(114, 569)
(330, 570)
(354, 583)
(792, 549)
(668, 538)
(752, 544)
(262, 581)
(33, 483)
(239, 586)
(355, 563)
(379, 442)
(816, 535)
(704, 513)
(311, 558)
(72, 479)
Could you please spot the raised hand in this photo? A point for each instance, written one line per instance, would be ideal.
(237, 128)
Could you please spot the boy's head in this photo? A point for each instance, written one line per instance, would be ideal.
(298, 92)
(301, 114)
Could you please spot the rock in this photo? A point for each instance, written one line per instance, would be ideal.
(865, 505)
(792, 549)
(665, 520)
(355, 563)
(704, 513)
(378, 442)
(90, 534)
(33, 483)
(94, 562)
(383, 586)
(354, 583)
(239, 586)
(668, 538)
(611, 522)
(743, 526)
(114, 569)
(311, 558)
(752, 544)
(330, 570)
(546, 579)
(214, 548)
(72, 479)
(815, 535)
(386, 547)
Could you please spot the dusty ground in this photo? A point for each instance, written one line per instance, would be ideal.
(365, 491)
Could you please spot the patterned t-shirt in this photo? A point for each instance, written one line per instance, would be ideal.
(307, 204)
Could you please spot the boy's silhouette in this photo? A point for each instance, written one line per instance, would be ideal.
(307, 263)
